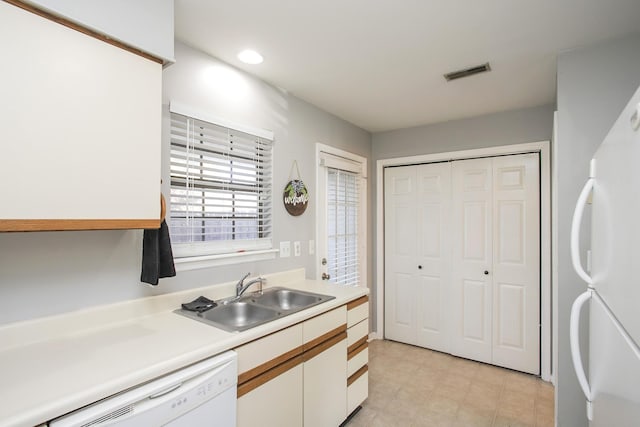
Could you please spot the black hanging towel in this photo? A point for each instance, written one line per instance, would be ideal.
(157, 257)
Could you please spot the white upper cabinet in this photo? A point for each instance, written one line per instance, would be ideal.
(81, 129)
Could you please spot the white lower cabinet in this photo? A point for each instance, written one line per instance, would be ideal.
(310, 374)
(277, 402)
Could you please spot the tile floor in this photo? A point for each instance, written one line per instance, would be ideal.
(412, 386)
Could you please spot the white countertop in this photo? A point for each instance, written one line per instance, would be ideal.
(52, 366)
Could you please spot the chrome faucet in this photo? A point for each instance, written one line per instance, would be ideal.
(241, 286)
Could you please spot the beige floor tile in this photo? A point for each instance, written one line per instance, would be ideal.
(433, 419)
(520, 413)
(476, 417)
(502, 421)
(442, 405)
(411, 386)
(544, 420)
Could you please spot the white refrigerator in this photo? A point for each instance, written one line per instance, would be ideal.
(612, 384)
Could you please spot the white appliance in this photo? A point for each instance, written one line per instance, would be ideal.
(612, 386)
(198, 395)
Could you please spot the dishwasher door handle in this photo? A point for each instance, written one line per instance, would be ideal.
(166, 391)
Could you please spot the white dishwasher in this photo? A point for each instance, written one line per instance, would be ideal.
(198, 395)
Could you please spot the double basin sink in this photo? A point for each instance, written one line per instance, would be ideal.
(257, 309)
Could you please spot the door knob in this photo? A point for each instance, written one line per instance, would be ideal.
(325, 276)
(486, 272)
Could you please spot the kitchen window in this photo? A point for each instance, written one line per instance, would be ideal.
(221, 178)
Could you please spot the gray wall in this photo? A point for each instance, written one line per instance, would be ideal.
(44, 273)
(511, 127)
(594, 84)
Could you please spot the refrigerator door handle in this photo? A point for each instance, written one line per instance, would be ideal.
(574, 340)
(575, 232)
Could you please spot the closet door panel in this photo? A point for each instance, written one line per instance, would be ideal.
(516, 304)
(471, 284)
(401, 247)
(434, 253)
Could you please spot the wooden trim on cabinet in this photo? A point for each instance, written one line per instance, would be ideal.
(313, 352)
(356, 302)
(91, 33)
(261, 369)
(356, 348)
(324, 337)
(268, 376)
(357, 374)
(76, 224)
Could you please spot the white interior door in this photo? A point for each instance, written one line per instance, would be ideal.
(417, 266)
(516, 262)
(401, 247)
(433, 207)
(471, 285)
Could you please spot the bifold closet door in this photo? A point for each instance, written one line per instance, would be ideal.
(471, 286)
(495, 299)
(516, 262)
(417, 254)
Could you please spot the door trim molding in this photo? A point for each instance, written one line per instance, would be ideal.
(542, 147)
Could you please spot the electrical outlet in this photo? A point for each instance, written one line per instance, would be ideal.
(296, 248)
(285, 249)
(312, 247)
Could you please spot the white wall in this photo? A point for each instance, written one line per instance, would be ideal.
(145, 24)
(44, 273)
(594, 84)
(511, 127)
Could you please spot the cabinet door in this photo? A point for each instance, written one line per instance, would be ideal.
(277, 403)
(325, 387)
(82, 121)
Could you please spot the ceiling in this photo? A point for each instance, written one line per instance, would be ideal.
(379, 64)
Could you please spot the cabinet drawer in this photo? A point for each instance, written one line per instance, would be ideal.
(358, 312)
(324, 324)
(357, 332)
(357, 392)
(357, 361)
(268, 350)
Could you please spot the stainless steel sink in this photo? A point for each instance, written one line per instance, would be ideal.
(257, 309)
(240, 315)
(288, 299)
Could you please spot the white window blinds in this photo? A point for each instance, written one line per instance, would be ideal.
(343, 205)
(220, 188)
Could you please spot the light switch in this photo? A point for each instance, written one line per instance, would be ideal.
(285, 249)
(312, 247)
(296, 248)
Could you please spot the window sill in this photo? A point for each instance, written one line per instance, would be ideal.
(197, 262)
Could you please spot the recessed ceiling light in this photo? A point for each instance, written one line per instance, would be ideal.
(249, 56)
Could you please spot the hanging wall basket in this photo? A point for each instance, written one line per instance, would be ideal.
(295, 197)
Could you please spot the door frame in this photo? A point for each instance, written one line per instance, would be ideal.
(542, 147)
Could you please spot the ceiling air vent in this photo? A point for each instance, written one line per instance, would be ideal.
(467, 72)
